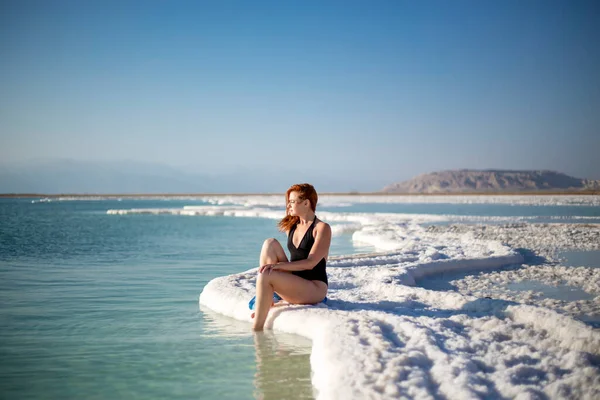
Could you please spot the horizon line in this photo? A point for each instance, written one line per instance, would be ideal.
(352, 193)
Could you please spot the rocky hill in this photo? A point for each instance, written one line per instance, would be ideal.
(492, 181)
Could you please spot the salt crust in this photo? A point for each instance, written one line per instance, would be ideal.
(492, 284)
(380, 336)
(545, 239)
(380, 339)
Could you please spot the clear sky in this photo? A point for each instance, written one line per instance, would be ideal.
(378, 90)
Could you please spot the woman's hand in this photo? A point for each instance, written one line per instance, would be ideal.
(267, 268)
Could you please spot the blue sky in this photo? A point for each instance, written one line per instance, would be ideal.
(376, 91)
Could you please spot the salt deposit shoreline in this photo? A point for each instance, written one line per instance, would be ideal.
(556, 237)
(382, 336)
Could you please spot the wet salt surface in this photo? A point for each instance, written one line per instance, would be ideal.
(573, 291)
(551, 289)
(538, 241)
(562, 270)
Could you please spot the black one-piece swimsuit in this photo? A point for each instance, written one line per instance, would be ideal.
(301, 252)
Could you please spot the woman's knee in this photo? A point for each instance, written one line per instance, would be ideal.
(263, 279)
(271, 243)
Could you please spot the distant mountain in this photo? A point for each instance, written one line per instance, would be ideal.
(70, 176)
(132, 177)
(494, 181)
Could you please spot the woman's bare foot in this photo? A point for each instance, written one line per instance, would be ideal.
(279, 303)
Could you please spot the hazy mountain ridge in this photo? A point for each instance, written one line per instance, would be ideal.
(54, 176)
(133, 177)
(496, 181)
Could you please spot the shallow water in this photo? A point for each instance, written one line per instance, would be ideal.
(559, 292)
(573, 258)
(282, 360)
(592, 320)
(101, 306)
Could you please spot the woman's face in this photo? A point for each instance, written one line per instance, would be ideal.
(296, 205)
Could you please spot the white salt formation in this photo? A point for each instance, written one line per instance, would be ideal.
(379, 337)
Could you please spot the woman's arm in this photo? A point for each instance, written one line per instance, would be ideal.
(319, 251)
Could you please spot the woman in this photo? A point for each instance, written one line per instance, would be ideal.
(302, 280)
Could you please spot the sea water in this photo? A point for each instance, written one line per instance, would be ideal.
(102, 306)
(106, 306)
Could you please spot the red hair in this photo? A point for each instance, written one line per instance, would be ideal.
(305, 191)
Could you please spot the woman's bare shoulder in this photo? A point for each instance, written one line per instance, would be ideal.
(322, 226)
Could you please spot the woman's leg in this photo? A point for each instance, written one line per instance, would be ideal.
(290, 287)
(271, 253)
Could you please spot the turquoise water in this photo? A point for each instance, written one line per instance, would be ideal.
(106, 306)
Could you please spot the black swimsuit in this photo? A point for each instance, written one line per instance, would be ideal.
(301, 253)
